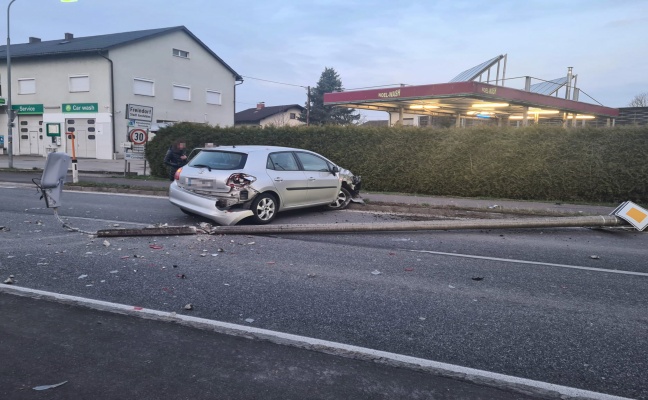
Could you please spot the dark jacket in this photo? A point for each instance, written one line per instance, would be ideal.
(173, 158)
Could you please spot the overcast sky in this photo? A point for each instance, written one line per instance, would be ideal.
(379, 42)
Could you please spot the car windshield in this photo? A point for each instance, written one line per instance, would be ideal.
(224, 160)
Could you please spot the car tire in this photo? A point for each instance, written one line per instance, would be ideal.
(342, 201)
(264, 208)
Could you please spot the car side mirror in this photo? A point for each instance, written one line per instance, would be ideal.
(335, 170)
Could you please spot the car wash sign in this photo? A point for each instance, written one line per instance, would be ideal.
(80, 107)
(139, 113)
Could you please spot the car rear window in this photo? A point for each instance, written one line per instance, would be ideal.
(224, 160)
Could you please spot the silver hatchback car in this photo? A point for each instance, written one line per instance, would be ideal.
(229, 183)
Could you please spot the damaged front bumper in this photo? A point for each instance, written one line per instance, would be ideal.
(206, 206)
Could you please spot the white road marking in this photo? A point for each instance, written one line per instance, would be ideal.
(480, 377)
(510, 260)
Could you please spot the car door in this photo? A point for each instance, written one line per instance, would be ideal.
(289, 180)
(323, 186)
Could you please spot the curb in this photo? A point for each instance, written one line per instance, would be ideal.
(479, 377)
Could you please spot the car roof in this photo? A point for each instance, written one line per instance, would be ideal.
(250, 149)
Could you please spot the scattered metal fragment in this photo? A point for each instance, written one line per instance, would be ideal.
(595, 257)
(82, 276)
(375, 272)
(45, 387)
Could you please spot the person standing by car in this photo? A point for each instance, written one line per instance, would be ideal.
(175, 157)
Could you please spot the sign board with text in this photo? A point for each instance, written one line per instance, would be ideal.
(133, 156)
(80, 107)
(25, 109)
(139, 113)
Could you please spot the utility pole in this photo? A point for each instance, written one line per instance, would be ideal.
(308, 106)
(10, 113)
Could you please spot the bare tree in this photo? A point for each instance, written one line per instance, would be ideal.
(640, 100)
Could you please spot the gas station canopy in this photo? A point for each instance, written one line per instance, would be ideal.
(473, 94)
(466, 99)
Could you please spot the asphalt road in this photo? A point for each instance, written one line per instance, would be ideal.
(584, 328)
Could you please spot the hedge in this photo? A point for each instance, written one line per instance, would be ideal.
(534, 163)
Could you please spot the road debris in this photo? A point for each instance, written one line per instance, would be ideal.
(477, 278)
(422, 318)
(106, 243)
(375, 272)
(188, 306)
(82, 276)
(494, 206)
(595, 257)
(9, 281)
(4, 229)
(182, 276)
(249, 320)
(409, 269)
(156, 246)
(45, 387)
(451, 287)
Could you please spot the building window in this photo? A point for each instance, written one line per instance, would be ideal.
(79, 83)
(182, 93)
(214, 97)
(180, 53)
(424, 121)
(143, 87)
(27, 86)
(293, 116)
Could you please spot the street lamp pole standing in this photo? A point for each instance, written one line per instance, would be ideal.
(10, 112)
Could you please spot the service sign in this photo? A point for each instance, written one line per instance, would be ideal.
(139, 113)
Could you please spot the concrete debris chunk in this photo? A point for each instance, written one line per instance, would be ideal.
(188, 306)
(595, 257)
(106, 243)
(9, 281)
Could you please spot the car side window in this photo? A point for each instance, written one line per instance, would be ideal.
(311, 162)
(284, 161)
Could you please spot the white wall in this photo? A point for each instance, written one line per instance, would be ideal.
(153, 59)
(283, 119)
(52, 90)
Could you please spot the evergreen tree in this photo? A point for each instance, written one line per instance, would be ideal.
(320, 114)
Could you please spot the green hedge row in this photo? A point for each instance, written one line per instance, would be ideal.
(534, 163)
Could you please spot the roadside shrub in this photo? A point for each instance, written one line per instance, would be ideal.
(534, 163)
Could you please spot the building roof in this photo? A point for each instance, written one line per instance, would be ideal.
(252, 115)
(98, 43)
(465, 98)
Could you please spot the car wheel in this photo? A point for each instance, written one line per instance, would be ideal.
(264, 208)
(342, 201)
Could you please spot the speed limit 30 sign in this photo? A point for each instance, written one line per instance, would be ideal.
(138, 136)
